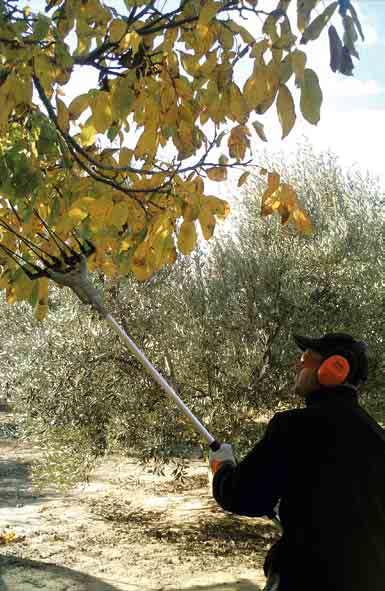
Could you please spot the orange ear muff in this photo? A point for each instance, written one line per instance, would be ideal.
(333, 371)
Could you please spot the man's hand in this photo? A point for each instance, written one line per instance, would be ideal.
(224, 454)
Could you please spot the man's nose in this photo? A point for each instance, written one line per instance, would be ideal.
(298, 365)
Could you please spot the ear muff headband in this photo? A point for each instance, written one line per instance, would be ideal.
(333, 371)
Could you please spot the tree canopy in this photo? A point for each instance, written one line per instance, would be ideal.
(125, 163)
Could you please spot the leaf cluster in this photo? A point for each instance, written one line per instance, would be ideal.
(126, 162)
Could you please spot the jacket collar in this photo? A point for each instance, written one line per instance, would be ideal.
(337, 395)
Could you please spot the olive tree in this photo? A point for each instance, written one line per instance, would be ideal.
(218, 325)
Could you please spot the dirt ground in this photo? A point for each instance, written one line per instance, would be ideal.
(126, 530)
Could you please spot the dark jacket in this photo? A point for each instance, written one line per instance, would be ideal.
(326, 463)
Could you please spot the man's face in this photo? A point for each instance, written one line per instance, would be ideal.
(306, 379)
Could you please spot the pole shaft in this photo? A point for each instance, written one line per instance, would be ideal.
(159, 379)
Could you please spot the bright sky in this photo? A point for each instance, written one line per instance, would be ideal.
(353, 113)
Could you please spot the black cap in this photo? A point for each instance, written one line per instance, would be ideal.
(339, 343)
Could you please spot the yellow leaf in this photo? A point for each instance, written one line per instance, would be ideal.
(42, 290)
(23, 287)
(100, 209)
(10, 295)
(313, 31)
(4, 281)
(187, 237)
(41, 311)
(147, 143)
(238, 142)
(285, 110)
(225, 37)
(122, 97)
(125, 156)
(140, 265)
(183, 89)
(298, 62)
(185, 135)
(77, 214)
(78, 105)
(101, 112)
(45, 72)
(287, 196)
(22, 90)
(87, 135)
(261, 87)
(258, 50)
(208, 12)
(244, 33)
(207, 222)
(62, 115)
(237, 107)
(190, 63)
(311, 97)
(268, 197)
(202, 30)
(243, 178)
(302, 221)
(167, 97)
(218, 207)
(118, 29)
(217, 173)
(119, 214)
(131, 41)
(273, 180)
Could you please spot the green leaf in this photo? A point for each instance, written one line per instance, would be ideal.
(311, 97)
(285, 110)
(313, 31)
(259, 128)
(243, 178)
(350, 35)
(356, 21)
(41, 27)
(335, 48)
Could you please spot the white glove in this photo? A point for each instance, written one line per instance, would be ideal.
(224, 454)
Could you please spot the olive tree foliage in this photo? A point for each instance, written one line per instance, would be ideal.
(218, 326)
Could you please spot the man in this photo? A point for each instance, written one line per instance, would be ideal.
(325, 465)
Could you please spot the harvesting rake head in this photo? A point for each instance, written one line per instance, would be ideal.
(68, 268)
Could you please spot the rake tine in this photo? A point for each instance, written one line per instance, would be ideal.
(14, 256)
(46, 238)
(30, 245)
(58, 241)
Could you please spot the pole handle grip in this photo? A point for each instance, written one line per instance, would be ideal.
(214, 445)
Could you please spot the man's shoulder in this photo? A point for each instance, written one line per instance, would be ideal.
(293, 414)
(294, 419)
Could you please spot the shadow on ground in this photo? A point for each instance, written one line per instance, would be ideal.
(241, 585)
(15, 484)
(217, 534)
(28, 575)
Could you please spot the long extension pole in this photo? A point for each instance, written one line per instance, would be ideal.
(78, 281)
(140, 356)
